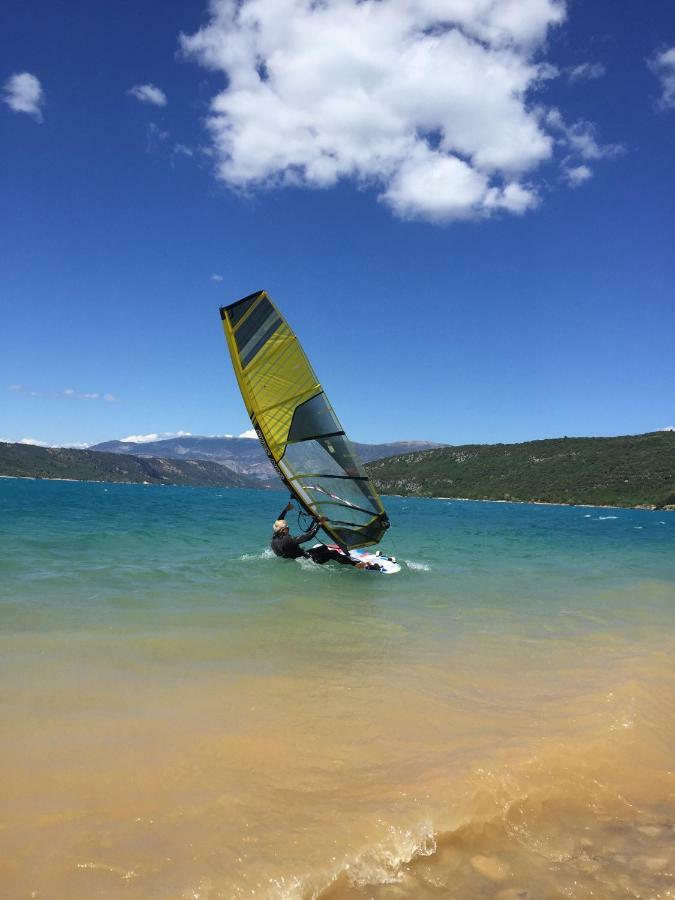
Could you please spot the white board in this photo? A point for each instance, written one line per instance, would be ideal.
(388, 564)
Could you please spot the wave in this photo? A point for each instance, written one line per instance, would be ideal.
(540, 844)
(577, 818)
(385, 863)
(417, 566)
(267, 553)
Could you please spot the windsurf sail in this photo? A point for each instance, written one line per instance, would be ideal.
(297, 426)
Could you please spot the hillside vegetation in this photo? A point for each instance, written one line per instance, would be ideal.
(88, 465)
(636, 470)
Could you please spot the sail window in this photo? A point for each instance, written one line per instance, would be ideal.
(237, 310)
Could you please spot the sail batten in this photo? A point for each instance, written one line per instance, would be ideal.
(297, 425)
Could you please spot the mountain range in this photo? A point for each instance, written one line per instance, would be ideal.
(28, 461)
(244, 456)
(632, 470)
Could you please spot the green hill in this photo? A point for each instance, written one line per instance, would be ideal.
(27, 461)
(635, 470)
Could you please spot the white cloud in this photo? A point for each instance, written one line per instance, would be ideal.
(148, 93)
(74, 445)
(581, 146)
(581, 138)
(216, 277)
(251, 433)
(150, 438)
(663, 66)
(576, 175)
(586, 71)
(66, 392)
(668, 428)
(156, 138)
(23, 93)
(427, 101)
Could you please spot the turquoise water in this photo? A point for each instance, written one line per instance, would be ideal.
(170, 688)
(78, 553)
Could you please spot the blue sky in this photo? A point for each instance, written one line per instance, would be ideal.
(464, 209)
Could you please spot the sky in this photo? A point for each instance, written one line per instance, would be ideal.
(464, 208)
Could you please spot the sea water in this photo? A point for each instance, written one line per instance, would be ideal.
(186, 716)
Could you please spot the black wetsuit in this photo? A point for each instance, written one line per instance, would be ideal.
(289, 547)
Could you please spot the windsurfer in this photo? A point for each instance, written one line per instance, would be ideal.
(288, 547)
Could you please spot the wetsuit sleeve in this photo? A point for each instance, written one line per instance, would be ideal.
(282, 513)
(309, 534)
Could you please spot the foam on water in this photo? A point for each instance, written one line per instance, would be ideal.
(417, 566)
(267, 553)
(384, 863)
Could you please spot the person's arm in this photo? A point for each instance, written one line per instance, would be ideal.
(286, 508)
(309, 534)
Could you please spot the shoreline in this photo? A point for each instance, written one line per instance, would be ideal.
(214, 487)
(644, 507)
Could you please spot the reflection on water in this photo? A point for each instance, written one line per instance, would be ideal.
(184, 716)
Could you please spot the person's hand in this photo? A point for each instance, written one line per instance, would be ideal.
(321, 520)
(289, 505)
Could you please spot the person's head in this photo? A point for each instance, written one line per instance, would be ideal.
(280, 527)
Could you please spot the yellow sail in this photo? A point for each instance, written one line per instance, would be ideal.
(296, 424)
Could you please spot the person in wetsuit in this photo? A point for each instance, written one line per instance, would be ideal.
(288, 547)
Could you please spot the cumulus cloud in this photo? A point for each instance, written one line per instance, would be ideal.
(428, 102)
(663, 66)
(23, 93)
(586, 71)
(580, 145)
(154, 436)
(251, 433)
(148, 93)
(576, 175)
(580, 138)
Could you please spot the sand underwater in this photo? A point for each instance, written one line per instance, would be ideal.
(185, 716)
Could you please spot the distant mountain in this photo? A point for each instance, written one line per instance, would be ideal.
(243, 455)
(633, 470)
(87, 465)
